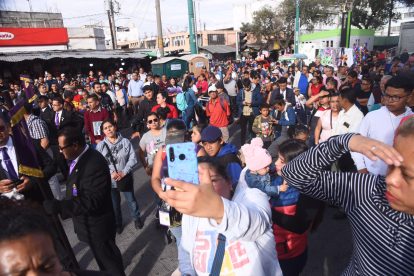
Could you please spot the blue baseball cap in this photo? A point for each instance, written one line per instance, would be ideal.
(211, 134)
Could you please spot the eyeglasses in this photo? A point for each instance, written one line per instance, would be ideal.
(393, 98)
(65, 147)
(152, 121)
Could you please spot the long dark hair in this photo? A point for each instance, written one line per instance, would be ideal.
(187, 83)
(291, 149)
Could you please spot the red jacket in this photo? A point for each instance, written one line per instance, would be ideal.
(173, 114)
(218, 112)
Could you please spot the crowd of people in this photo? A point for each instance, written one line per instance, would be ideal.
(309, 134)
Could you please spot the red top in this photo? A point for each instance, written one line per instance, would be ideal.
(92, 120)
(218, 113)
(173, 114)
(315, 89)
(203, 85)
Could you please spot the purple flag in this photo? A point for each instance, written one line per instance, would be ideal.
(28, 88)
(23, 145)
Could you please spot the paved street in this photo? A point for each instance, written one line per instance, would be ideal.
(146, 251)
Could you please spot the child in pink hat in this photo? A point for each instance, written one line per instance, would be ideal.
(258, 162)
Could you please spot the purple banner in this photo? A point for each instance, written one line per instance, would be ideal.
(25, 151)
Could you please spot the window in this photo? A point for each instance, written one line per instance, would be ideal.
(216, 39)
(408, 15)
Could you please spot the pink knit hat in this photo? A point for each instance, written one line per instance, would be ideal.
(255, 155)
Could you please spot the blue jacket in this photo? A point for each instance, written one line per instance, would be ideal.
(191, 99)
(291, 121)
(233, 169)
(256, 102)
(287, 198)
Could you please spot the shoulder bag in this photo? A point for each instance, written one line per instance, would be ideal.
(126, 184)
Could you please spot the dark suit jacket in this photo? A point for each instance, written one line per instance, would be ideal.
(290, 96)
(68, 119)
(35, 192)
(91, 209)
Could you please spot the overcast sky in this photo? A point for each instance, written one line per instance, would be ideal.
(214, 13)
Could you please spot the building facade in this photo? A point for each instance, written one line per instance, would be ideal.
(86, 38)
(180, 42)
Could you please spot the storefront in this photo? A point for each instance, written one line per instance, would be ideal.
(33, 39)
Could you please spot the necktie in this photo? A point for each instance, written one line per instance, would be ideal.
(72, 165)
(9, 164)
(57, 119)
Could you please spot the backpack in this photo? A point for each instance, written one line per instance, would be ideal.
(181, 101)
(229, 118)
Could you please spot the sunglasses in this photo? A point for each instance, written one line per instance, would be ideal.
(152, 121)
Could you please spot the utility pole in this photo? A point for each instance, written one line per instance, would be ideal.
(110, 10)
(197, 43)
(30, 6)
(159, 28)
(297, 27)
(193, 46)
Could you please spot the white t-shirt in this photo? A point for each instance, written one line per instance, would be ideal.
(379, 125)
(250, 244)
(348, 121)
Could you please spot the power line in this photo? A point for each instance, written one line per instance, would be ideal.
(81, 16)
(135, 8)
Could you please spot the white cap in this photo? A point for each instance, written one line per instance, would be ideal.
(212, 88)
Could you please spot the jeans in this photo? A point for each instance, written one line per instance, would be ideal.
(233, 105)
(116, 203)
(188, 116)
(176, 231)
(246, 124)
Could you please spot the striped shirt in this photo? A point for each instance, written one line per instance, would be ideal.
(37, 127)
(383, 237)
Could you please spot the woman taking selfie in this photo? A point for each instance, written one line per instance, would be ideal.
(380, 209)
(120, 154)
(232, 227)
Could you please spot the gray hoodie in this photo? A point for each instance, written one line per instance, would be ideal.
(123, 153)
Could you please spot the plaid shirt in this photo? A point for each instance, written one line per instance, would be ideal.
(37, 127)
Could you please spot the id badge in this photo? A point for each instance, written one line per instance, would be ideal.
(164, 218)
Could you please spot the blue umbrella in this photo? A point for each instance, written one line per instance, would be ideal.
(300, 56)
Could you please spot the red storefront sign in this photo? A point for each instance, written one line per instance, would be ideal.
(33, 36)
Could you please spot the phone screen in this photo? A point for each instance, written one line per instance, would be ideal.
(182, 162)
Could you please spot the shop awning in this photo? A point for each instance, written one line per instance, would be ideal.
(80, 54)
(219, 49)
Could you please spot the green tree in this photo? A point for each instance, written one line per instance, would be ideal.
(374, 14)
(278, 24)
(371, 14)
(265, 25)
